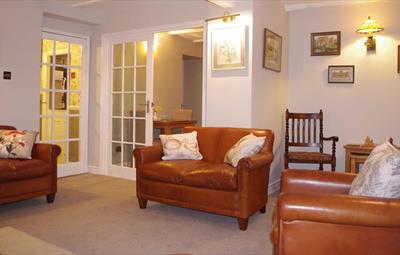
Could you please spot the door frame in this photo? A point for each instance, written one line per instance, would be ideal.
(107, 40)
(82, 167)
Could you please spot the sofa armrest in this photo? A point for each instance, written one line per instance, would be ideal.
(147, 154)
(307, 181)
(256, 161)
(46, 152)
(339, 209)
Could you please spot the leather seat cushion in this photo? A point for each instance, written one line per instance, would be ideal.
(169, 171)
(213, 176)
(20, 169)
(310, 156)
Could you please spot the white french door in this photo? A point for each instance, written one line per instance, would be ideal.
(130, 95)
(63, 98)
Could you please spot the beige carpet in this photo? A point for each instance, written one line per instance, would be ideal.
(14, 242)
(95, 214)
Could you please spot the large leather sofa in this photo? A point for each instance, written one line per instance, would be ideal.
(315, 215)
(27, 178)
(210, 184)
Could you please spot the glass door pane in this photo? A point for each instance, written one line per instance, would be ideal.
(128, 96)
(60, 96)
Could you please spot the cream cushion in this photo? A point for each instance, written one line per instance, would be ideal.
(16, 143)
(180, 146)
(380, 174)
(245, 147)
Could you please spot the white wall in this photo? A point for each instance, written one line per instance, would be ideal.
(369, 107)
(269, 88)
(228, 92)
(20, 44)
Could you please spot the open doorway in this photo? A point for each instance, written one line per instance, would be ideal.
(178, 71)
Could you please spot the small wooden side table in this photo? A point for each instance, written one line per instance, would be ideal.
(356, 154)
(168, 125)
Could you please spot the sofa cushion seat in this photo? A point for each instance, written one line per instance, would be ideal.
(169, 171)
(212, 176)
(20, 169)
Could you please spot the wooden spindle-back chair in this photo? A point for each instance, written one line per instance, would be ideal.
(306, 130)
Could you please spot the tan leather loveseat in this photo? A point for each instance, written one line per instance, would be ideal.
(315, 215)
(27, 178)
(209, 184)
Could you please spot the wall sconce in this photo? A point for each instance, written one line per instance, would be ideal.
(369, 27)
(227, 18)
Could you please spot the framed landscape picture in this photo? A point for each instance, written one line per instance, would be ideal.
(398, 59)
(228, 48)
(272, 51)
(325, 44)
(341, 74)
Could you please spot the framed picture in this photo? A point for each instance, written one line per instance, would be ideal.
(341, 74)
(325, 44)
(398, 59)
(272, 51)
(228, 48)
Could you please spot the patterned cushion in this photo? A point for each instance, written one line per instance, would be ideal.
(180, 146)
(16, 144)
(380, 175)
(245, 147)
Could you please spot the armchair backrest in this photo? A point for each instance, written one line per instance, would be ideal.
(304, 130)
(214, 142)
(7, 127)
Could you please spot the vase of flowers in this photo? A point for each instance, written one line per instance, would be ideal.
(156, 110)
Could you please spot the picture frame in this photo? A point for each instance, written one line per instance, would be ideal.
(228, 48)
(341, 74)
(325, 43)
(272, 51)
(398, 59)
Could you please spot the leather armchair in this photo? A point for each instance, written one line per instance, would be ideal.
(27, 178)
(315, 215)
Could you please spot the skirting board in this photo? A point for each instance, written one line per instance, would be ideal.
(94, 169)
(274, 187)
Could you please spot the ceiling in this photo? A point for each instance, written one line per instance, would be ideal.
(193, 34)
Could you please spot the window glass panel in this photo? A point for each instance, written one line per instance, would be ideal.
(75, 79)
(60, 79)
(116, 153)
(74, 103)
(117, 104)
(76, 54)
(45, 129)
(60, 101)
(128, 130)
(128, 160)
(128, 105)
(117, 56)
(46, 72)
(129, 54)
(62, 158)
(140, 129)
(73, 151)
(60, 130)
(74, 127)
(45, 103)
(141, 79)
(128, 79)
(140, 105)
(61, 53)
(47, 50)
(117, 79)
(141, 53)
(116, 129)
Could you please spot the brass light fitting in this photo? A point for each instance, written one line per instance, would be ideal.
(227, 18)
(369, 27)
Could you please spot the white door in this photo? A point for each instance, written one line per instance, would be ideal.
(130, 118)
(63, 79)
